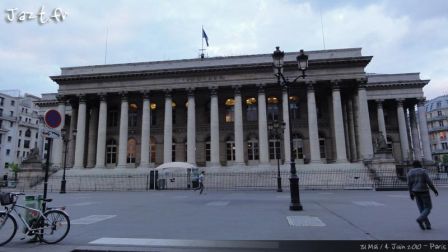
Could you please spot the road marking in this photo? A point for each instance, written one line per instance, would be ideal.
(186, 243)
(398, 196)
(368, 203)
(180, 197)
(305, 221)
(91, 219)
(83, 204)
(218, 203)
(283, 196)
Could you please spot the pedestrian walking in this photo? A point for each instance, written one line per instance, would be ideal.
(201, 182)
(418, 183)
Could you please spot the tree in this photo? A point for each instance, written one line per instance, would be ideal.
(445, 159)
(15, 168)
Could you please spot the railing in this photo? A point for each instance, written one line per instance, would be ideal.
(319, 179)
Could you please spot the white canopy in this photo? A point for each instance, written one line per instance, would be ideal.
(179, 165)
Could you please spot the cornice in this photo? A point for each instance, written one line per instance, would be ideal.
(418, 83)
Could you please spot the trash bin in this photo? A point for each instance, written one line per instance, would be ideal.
(161, 184)
(33, 202)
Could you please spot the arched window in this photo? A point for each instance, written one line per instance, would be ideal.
(230, 110)
(251, 112)
(273, 108)
(28, 133)
(111, 152)
(297, 147)
(274, 149)
(252, 149)
(132, 146)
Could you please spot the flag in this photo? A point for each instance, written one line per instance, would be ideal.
(204, 36)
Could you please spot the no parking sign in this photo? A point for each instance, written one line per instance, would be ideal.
(52, 119)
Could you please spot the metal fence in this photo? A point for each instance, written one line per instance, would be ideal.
(319, 179)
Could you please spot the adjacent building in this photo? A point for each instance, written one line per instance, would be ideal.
(19, 128)
(214, 112)
(437, 118)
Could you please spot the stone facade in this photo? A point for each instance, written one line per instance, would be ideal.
(214, 112)
(437, 118)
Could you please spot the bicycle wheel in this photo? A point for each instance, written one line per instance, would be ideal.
(8, 228)
(55, 226)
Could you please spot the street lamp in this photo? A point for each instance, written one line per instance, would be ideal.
(65, 140)
(276, 128)
(302, 63)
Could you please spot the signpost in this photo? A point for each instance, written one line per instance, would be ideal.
(52, 119)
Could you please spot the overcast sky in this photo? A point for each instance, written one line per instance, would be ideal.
(403, 35)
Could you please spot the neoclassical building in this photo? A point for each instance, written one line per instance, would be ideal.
(214, 112)
(437, 117)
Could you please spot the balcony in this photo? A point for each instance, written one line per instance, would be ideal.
(26, 124)
(438, 118)
(8, 118)
(440, 151)
(434, 129)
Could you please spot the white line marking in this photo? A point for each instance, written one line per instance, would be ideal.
(83, 204)
(305, 221)
(180, 197)
(218, 203)
(398, 196)
(185, 243)
(368, 203)
(91, 219)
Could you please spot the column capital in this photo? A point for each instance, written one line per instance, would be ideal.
(421, 101)
(400, 102)
(336, 85)
(61, 98)
(82, 98)
(284, 88)
(103, 96)
(124, 96)
(213, 91)
(167, 93)
(237, 89)
(379, 103)
(310, 86)
(260, 88)
(190, 92)
(145, 94)
(362, 82)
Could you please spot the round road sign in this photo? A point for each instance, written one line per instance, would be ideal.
(52, 118)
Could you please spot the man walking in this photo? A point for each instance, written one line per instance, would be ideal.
(201, 182)
(418, 183)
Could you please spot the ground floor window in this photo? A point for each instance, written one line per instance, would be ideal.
(173, 152)
(230, 147)
(132, 145)
(207, 151)
(274, 149)
(111, 152)
(322, 148)
(252, 150)
(297, 148)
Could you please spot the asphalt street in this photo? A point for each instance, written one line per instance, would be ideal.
(180, 219)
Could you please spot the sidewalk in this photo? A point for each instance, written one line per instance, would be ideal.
(147, 219)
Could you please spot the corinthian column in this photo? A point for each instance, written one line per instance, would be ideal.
(102, 129)
(415, 136)
(168, 129)
(262, 127)
(312, 125)
(364, 129)
(144, 155)
(339, 133)
(403, 130)
(123, 138)
(214, 128)
(424, 136)
(57, 146)
(381, 123)
(239, 148)
(80, 134)
(191, 128)
(286, 136)
(93, 129)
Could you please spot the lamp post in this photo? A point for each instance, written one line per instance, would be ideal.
(302, 62)
(65, 140)
(276, 128)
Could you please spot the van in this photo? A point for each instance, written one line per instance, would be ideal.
(177, 175)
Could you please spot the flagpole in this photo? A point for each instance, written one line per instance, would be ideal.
(202, 36)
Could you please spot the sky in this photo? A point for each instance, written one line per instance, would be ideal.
(403, 36)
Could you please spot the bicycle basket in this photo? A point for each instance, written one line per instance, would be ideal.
(6, 198)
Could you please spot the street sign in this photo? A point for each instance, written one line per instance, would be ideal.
(51, 133)
(52, 118)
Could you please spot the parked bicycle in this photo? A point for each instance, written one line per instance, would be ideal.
(50, 226)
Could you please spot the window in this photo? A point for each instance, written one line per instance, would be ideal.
(173, 152)
(230, 150)
(152, 151)
(28, 133)
(252, 149)
(230, 110)
(294, 107)
(11, 124)
(207, 151)
(439, 113)
(439, 104)
(6, 165)
(441, 123)
(18, 143)
(1, 101)
(20, 132)
(13, 103)
(112, 118)
(274, 149)
(132, 145)
(37, 135)
(1, 122)
(11, 113)
(111, 152)
(273, 108)
(251, 112)
(26, 144)
(445, 146)
(297, 148)
(322, 148)
(443, 135)
(1, 112)
(8, 151)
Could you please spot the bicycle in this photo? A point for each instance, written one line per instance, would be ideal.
(50, 226)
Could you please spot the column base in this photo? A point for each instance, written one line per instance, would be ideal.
(342, 161)
(99, 167)
(122, 166)
(143, 166)
(76, 167)
(316, 161)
